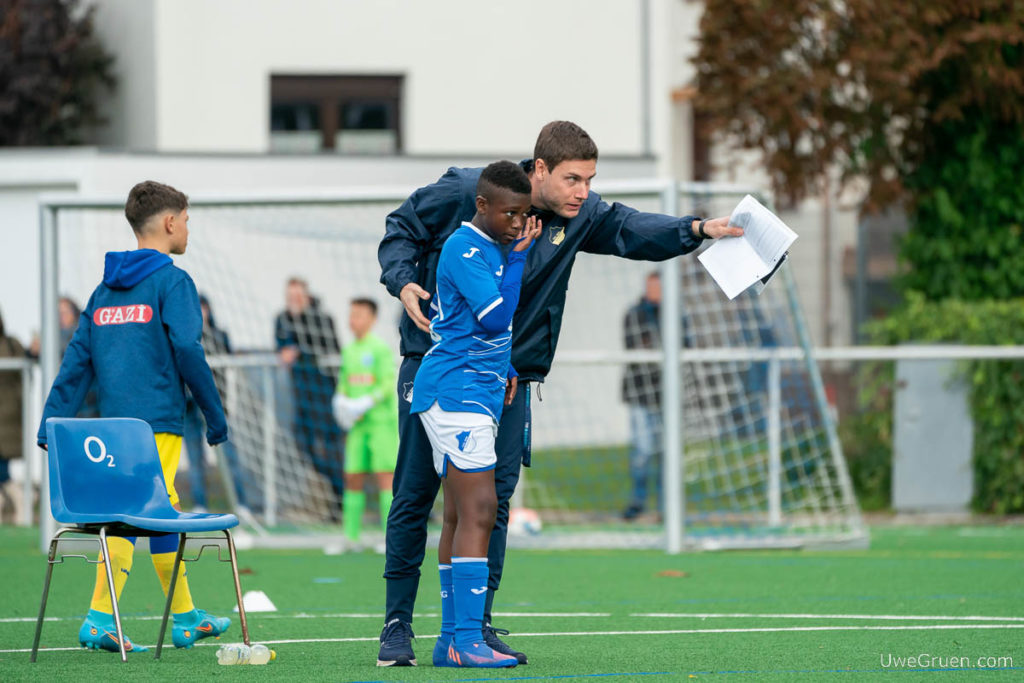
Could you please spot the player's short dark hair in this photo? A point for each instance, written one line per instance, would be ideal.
(149, 198)
(299, 282)
(563, 141)
(504, 175)
(363, 301)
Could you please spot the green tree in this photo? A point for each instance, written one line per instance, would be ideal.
(52, 71)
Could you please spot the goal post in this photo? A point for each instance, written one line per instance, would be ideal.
(747, 454)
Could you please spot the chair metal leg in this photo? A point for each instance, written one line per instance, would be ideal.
(46, 591)
(238, 588)
(113, 594)
(170, 594)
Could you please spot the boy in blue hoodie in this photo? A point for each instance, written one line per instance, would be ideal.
(140, 338)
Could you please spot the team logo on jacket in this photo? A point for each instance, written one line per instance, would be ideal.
(557, 234)
(119, 315)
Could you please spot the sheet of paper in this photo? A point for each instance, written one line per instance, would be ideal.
(736, 263)
(768, 235)
(733, 264)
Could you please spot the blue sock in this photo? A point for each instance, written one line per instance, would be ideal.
(469, 578)
(447, 601)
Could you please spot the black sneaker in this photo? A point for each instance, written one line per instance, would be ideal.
(632, 512)
(396, 645)
(492, 641)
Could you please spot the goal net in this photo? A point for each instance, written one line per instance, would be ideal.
(761, 465)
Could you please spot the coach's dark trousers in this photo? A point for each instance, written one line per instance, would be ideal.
(416, 485)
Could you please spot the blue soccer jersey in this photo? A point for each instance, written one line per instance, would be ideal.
(466, 368)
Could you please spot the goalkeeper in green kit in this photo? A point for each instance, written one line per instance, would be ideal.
(366, 406)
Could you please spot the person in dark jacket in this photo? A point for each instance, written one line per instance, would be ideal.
(304, 333)
(641, 391)
(10, 411)
(563, 165)
(215, 343)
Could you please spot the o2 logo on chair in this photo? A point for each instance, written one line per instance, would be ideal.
(101, 455)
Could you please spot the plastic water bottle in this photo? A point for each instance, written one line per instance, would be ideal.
(240, 653)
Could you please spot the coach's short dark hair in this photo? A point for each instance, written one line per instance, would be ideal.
(363, 301)
(563, 141)
(149, 198)
(505, 175)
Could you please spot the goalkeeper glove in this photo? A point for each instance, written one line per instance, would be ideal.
(360, 405)
(341, 407)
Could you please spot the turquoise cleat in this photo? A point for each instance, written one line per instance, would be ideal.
(99, 633)
(187, 631)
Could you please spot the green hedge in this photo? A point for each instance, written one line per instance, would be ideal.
(996, 400)
(967, 212)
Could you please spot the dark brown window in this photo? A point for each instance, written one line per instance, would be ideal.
(346, 114)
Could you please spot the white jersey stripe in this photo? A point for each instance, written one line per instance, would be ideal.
(490, 307)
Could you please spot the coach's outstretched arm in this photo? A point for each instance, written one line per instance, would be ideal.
(623, 231)
(410, 233)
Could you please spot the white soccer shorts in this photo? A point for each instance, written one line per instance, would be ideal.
(465, 440)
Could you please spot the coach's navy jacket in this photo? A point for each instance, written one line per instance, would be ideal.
(140, 337)
(416, 231)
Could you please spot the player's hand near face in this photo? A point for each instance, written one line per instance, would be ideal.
(411, 295)
(530, 232)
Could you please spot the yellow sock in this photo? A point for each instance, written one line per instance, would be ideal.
(164, 565)
(121, 555)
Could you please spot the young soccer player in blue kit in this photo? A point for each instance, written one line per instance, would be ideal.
(140, 338)
(460, 387)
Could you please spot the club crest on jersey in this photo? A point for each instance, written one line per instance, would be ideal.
(120, 315)
(407, 392)
(557, 234)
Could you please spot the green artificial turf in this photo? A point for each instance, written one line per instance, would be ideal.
(920, 572)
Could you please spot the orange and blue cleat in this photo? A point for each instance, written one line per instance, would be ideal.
(99, 633)
(196, 625)
(441, 650)
(478, 656)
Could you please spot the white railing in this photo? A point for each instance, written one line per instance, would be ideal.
(775, 356)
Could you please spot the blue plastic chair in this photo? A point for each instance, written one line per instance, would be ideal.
(106, 480)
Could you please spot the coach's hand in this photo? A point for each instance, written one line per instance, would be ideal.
(717, 227)
(411, 295)
(510, 389)
(531, 231)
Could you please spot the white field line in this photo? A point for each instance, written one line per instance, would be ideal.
(691, 631)
(877, 617)
(337, 615)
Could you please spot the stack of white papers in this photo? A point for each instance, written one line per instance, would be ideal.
(736, 263)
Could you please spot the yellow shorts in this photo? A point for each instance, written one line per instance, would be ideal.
(169, 447)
